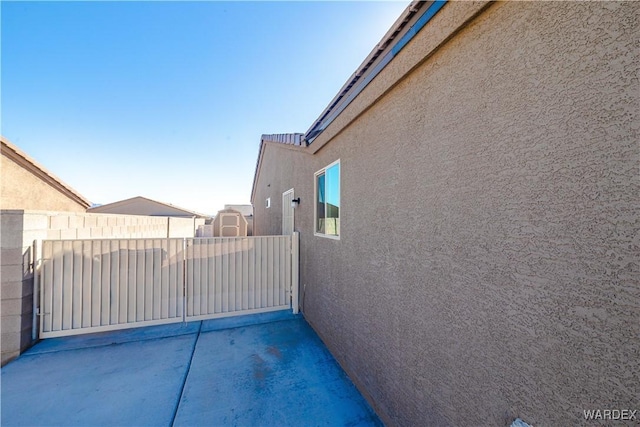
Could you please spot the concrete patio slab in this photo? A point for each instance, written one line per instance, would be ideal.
(260, 370)
(275, 374)
(134, 383)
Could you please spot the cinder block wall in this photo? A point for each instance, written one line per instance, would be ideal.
(19, 229)
(17, 233)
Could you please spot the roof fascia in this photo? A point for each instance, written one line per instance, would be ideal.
(452, 20)
(415, 16)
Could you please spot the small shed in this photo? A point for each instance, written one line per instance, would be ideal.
(229, 223)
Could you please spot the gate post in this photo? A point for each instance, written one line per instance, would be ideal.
(295, 279)
(184, 280)
(35, 267)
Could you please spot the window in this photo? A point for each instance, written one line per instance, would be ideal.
(327, 189)
(267, 203)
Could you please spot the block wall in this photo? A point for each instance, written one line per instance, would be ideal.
(20, 228)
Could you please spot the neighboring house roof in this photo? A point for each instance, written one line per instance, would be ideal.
(412, 20)
(143, 206)
(287, 140)
(12, 152)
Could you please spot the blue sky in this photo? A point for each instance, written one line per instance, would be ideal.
(168, 99)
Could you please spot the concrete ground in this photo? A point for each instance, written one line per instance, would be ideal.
(268, 369)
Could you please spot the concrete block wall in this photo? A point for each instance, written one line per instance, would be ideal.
(17, 233)
(107, 226)
(19, 229)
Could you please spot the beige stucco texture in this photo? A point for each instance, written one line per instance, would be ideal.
(282, 165)
(21, 189)
(489, 257)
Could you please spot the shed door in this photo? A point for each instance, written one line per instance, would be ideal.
(229, 225)
(287, 213)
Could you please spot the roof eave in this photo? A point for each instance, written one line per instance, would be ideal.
(381, 54)
(40, 171)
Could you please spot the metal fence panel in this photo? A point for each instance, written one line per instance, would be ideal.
(237, 275)
(99, 285)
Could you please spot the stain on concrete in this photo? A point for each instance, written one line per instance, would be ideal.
(260, 369)
(276, 374)
(274, 351)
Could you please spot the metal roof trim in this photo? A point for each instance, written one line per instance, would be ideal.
(375, 62)
(284, 138)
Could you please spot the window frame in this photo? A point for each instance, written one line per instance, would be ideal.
(315, 199)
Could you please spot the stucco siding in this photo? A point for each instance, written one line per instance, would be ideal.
(488, 263)
(21, 189)
(281, 166)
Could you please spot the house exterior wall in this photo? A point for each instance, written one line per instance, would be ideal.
(281, 165)
(21, 189)
(18, 230)
(488, 263)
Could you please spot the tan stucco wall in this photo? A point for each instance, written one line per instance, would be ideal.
(280, 166)
(18, 230)
(488, 263)
(21, 189)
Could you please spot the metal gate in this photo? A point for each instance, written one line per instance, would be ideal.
(99, 285)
